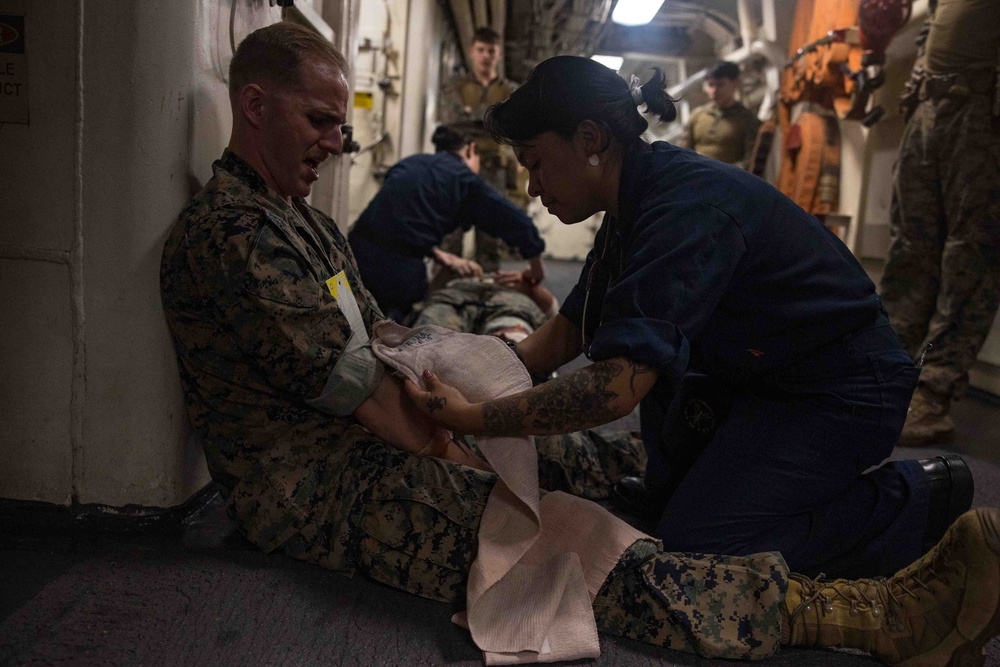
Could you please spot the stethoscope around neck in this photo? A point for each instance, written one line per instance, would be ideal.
(591, 275)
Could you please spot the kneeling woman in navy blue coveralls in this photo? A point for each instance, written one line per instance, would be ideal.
(701, 270)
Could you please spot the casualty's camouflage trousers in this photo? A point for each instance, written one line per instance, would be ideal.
(470, 306)
(941, 284)
(412, 522)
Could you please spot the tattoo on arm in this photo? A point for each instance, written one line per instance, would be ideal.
(637, 370)
(568, 403)
(504, 416)
(436, 403)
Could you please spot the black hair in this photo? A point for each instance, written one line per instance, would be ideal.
(563, 91)
(723, 70)
(447, 139)
(486, 35)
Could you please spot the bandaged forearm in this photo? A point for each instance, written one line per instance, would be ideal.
(353, 379)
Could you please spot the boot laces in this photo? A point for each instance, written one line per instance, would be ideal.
(877, 596)
(863, 595)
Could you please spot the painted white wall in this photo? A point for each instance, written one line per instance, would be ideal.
(405, 40)
(382, 32)
(127, 105)
(38, 198)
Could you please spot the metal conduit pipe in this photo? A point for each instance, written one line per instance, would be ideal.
(461, 12)
(746, 21)
(498, 14)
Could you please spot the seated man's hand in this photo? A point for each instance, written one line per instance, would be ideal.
(392, 416)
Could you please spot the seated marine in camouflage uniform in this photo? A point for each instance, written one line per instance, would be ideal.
(296, 417)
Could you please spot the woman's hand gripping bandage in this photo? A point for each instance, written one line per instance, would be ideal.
(445, 405)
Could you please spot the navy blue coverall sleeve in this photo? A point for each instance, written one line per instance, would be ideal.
(679, 259)
(488, 210)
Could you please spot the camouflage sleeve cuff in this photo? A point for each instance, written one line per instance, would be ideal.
(353, 379)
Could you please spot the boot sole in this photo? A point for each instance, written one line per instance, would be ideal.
(973, 653)
(956, 650)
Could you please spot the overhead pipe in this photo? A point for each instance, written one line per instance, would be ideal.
(768, 21)
(498, 16)
(601, 16)
(747, 26)
(480, 14)
(464, 24)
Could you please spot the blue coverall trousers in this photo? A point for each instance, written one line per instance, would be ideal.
(789, 468)
(395, 278)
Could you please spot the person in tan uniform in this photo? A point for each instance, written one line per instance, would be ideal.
(723, 129)
(464, 101)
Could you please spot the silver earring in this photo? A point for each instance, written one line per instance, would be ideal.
(594, 160)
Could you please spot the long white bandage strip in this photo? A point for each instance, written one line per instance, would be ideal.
(540, 563)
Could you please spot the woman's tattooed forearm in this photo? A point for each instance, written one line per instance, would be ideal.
(637, 370)
(578, 398)
(568, 403)
(504, 416)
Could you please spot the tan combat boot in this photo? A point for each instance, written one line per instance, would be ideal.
(940, 611)
(927, 419)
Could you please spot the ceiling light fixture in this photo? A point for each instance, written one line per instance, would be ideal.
(611, 62)
(635, 12)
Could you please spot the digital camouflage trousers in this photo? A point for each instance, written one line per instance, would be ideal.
(412, 523)
(472, 306)
(941, 284)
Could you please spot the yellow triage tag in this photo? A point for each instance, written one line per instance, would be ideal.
(340, 289)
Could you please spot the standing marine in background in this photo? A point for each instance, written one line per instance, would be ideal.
(723, 129)
(941, 284)
(463, 102)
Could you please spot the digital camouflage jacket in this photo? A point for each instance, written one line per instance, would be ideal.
(271, 364)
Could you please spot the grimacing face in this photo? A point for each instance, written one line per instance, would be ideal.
(301, 126)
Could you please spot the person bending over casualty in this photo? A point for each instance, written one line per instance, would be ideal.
(703, 274)
(422, 199)
(311, 437)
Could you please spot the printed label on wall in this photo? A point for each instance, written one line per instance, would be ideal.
(13, 70)
(363, 100)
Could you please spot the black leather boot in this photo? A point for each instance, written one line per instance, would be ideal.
(951, 494)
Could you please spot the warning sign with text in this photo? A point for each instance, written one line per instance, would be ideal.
(13, 70)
